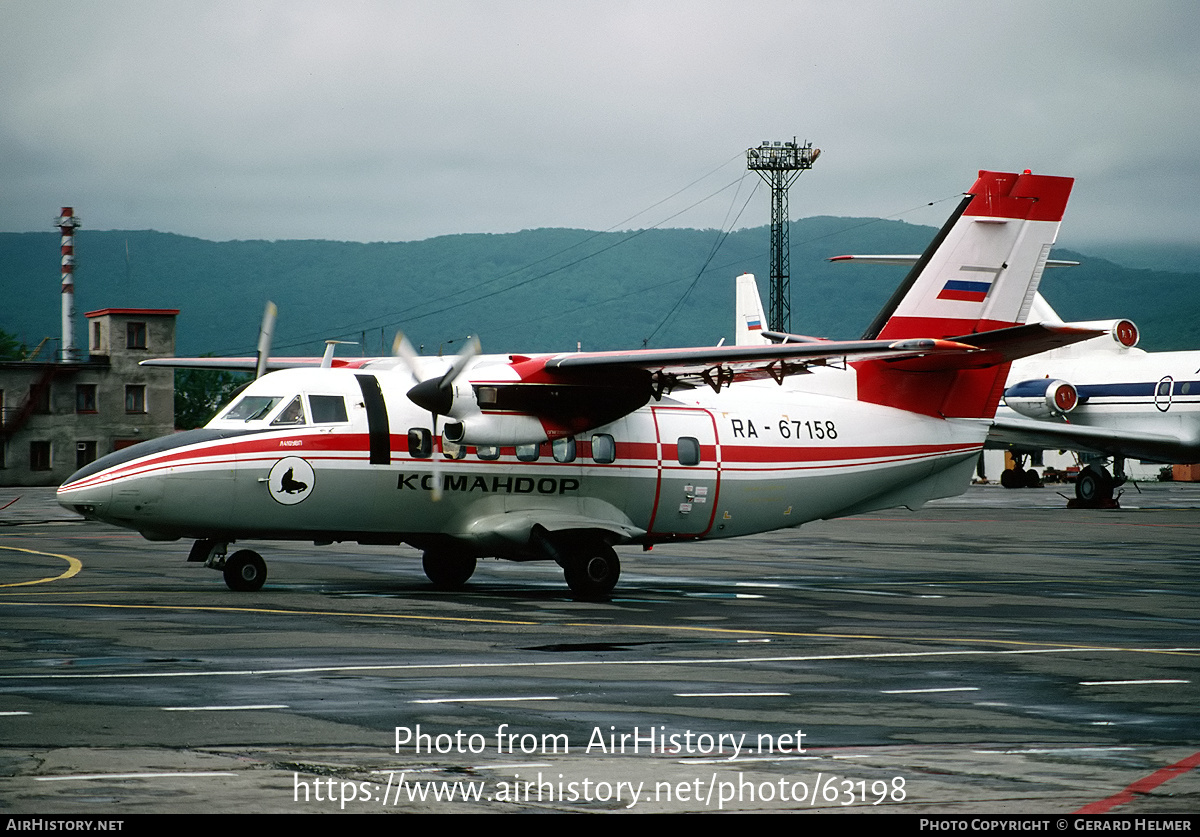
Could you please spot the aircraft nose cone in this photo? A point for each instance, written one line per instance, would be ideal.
(84, 497)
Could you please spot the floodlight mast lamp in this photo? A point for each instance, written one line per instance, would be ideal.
(779, 164)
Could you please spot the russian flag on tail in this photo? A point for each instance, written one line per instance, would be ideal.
(965, 290)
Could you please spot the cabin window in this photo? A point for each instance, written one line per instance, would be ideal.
(529, 453)
(252, 408)
(487, 452)
(85, 398)
(326, 409)
(564, 449)
(453, 450)
(293, 414)
(604, 449)
(687, 450)
(420, 443)
(135, 398)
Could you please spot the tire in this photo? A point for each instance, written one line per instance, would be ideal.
(448, 570)
(593, 573)
(1093, 485)
(1032, 480)
(1013, 478)
(245, 571)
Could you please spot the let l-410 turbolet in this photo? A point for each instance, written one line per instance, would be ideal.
(561, 457)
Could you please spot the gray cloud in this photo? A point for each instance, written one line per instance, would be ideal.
(394, 121)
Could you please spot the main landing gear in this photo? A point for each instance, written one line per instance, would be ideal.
(1018, 477)
(591, 569)
(447, 568)
(592, 572)
(245, 571)
(1094, 487)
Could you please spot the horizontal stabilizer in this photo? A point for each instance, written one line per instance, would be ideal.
(999, 346)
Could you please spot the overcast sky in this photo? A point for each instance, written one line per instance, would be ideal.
(396, 121)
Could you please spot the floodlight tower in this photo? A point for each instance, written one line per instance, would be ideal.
(779, 164)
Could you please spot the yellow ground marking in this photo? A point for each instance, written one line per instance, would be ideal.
(74, 566)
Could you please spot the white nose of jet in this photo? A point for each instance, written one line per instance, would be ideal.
(88, 497)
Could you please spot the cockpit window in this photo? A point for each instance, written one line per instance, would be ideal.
(293, 414)
(252, 408)
(327, 408)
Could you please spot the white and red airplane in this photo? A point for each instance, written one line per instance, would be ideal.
(562, 456)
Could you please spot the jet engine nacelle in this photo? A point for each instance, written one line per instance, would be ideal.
(496, 430)
(1123, 332)
(1042, 398)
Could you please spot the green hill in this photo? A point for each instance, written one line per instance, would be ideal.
(535, 290)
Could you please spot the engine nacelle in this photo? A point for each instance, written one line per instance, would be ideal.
(1042, 398)
(496, 430)
(1123, 332)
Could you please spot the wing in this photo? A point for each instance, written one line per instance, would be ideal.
(1107, 441)
(720, 366)
(249, 364)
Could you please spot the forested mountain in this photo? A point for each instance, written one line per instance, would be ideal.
(535, 290)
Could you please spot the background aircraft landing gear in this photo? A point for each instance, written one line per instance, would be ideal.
(592, 572)
(447, 570)
(1018, 477)
(245, 571)
(1094, 489)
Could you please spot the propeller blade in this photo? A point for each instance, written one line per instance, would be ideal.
(437, 394)
(265, 334)
(469, 350)
(436, 494)
(404, 350)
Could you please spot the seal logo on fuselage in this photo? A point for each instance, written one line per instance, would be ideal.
(291, 480)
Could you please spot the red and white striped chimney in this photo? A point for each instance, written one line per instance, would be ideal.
(66, 223)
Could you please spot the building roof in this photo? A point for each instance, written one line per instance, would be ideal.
(143, 312)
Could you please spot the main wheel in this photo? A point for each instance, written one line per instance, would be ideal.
(447, 570)
(245, 571)
(592, 573)
(1012, 478)
(1093, 485)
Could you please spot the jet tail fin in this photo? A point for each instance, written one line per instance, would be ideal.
(749, 320)
(980, 273)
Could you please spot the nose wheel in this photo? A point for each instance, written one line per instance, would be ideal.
(245, 571)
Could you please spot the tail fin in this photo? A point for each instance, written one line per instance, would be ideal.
(749, 320)
(980, 273)
(983, 268)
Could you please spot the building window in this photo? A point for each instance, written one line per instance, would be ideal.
(40, 396)
(135, 398)
(95, 337)
(135, 335)
(39, 456)
(85, 454)
(85, 398)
